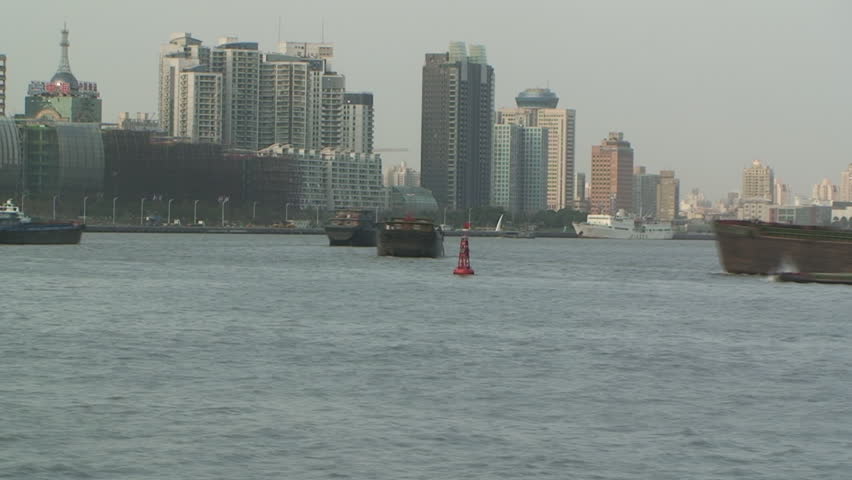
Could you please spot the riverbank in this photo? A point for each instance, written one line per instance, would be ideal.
(318, 231)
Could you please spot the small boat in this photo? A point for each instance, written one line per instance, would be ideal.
(410, 237)
(352, 228)
(19, 229)
(512, 233)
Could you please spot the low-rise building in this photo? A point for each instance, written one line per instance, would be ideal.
(334, 179)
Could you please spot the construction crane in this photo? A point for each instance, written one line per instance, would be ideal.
(381, 150)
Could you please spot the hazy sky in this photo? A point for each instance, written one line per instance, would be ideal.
(701, 87)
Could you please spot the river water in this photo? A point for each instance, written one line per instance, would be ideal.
(156, 356)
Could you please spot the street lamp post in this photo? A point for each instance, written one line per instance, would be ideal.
(318, 216)
(113, 209)
(286, 212)
(253, 211)
(142, 212)
(54, 206)
(445, 215)
(468, 214)
(84, 209)
(195, 212)
(169, 215)
(223, 210)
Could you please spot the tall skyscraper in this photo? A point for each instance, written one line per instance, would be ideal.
(536, 107)
(758, 183)
(64, 97)
(2, 85)
(579, 187)
(358, 122)
(612, 175)
(519, 168)
(846, 184)
(645, 192)
(456, 126)
(668, 196)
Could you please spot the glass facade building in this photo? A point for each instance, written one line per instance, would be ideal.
(10, 156)
(411, 200)
(61, 157)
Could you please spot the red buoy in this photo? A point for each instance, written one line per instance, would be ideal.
(463, 267)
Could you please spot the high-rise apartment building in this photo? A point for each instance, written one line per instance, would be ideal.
(846, 184)
(824, 192)
(519, 168)
(612, 175)
(283, 115)
(402, 176)
(358, 122)
(290, 98)
(783, 193)
(2, 85)
(668, 196)
(199, 105)
(645, 192)
(324, 90)
(456, 126)
(536, 107)
(64, 98)
(181, 53)
(239, 64)
(758, 183)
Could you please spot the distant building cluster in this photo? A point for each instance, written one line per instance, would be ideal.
(402, 176)
(234, 121)
(235, 94)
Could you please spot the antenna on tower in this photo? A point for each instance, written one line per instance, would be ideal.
(279, 28)
(323, 30)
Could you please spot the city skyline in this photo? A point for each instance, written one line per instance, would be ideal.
(692, 100)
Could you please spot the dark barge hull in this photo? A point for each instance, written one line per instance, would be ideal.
(42, 234)
(769, 248)
(410, 243)
(830, 278)
(359, 236)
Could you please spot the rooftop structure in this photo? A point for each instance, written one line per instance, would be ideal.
(537, 98)
(63, 97)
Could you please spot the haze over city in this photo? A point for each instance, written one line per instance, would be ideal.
(702, 88)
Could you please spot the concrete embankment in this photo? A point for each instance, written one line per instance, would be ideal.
(180, 229)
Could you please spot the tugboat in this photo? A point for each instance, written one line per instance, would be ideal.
(410, 237)
(19, 229)
(352, 228)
